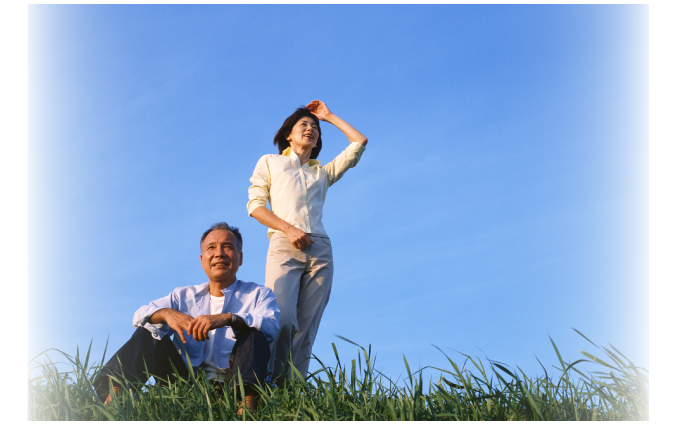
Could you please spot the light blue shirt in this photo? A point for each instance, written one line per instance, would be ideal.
(254, 303)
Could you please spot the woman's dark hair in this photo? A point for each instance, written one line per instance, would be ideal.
(283, 133)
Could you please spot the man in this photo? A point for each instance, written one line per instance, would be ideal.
(228, 322)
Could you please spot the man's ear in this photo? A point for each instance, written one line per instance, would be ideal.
(241, 258)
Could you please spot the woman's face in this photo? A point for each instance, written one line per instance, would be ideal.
(304, 134)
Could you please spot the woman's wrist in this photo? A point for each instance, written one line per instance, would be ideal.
(351, 133)
(330, 118)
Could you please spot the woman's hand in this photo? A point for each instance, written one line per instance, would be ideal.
(319, 109)
(298, 237)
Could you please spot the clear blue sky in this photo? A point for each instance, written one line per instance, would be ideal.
(502, 197)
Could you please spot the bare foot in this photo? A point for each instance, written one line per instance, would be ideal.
(251, 402)
(108, 399)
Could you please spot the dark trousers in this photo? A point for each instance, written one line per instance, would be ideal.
(144, 356)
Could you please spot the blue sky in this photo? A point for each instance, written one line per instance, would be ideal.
(502, 198)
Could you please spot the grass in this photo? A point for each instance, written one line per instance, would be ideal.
(360, 392)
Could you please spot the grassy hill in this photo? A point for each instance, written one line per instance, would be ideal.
(359, 392)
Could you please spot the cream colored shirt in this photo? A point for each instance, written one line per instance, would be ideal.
(297, 193)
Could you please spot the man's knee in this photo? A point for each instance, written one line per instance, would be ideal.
(252, 339)
(142, 352)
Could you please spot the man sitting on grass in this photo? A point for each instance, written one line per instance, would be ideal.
(228, 322)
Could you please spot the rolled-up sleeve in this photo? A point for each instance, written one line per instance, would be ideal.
(259, 191)
(142, 315)
(336, 168)
(265, 316)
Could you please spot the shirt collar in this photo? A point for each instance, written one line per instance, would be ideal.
(204, 288)
(291, 154)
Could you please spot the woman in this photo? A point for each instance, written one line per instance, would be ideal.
(299, 264)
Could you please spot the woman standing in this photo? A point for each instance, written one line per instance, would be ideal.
(299, 265)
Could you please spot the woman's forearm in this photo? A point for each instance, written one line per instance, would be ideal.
(269, 219)
(351, 133)
(299, 238)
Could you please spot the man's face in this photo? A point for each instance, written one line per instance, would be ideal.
(220, 256)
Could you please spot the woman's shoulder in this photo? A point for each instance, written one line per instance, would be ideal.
(264, 159)
(269, 157)
(272, 163)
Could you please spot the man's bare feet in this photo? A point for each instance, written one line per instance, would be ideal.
(108, 399)
(251, 402)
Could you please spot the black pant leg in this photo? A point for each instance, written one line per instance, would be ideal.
(142, 349)
(250, 355)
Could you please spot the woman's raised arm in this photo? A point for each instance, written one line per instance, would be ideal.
(323, 113)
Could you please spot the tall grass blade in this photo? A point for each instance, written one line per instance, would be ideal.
(361, 392)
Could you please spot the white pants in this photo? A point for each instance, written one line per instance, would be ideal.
(301, 280)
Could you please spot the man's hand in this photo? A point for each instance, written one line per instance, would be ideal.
(176, 320)
(200, 326)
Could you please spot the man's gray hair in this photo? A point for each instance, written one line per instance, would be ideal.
(222, 226)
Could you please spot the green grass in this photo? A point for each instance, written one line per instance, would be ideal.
(359, 392)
